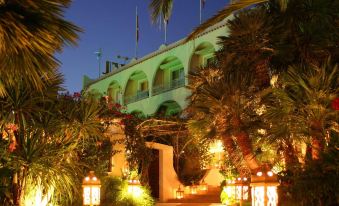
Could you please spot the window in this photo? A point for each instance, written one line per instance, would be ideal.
(178, 74)
(143, 86)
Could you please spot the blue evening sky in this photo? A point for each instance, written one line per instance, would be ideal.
(110, 25)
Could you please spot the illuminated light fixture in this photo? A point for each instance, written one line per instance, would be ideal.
(179, 193)
(270, 173)
(203, 186)
(259, 174)
(264, 189)
(238, 189)
(91, 190)
(134, 188)
(194, 189)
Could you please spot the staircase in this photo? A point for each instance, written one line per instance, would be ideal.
(205, 198)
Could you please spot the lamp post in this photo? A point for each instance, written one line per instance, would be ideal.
(264, 188)
(91, 190)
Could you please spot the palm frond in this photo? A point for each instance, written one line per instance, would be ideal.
(160, 9)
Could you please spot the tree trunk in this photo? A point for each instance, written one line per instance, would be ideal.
(291, 160)
(317, 139)
(317, 147)
(245, 146)
(231, 150)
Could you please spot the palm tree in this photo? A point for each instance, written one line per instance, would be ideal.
(227, 93)
(307, 93)
(44, 135)
(163, 9)
(30, 34)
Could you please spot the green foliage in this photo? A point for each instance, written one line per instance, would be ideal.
(316, 184)
(114, 192)
(30, 34)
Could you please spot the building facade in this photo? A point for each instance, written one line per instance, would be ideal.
(155, 83)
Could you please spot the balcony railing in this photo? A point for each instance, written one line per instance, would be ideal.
(139, 96)
(166, 87)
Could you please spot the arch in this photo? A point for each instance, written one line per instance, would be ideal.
(169, 75)
(114, 92)
(168, 108)
(202, 55)
(137, 87)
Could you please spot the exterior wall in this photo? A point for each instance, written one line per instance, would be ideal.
(150, 65)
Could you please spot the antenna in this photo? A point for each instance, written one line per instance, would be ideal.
(99, 56)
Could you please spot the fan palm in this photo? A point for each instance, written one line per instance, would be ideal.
(227, 93)
(30, 34)
(305, 99)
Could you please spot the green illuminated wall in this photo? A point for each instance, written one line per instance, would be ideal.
(156, 82)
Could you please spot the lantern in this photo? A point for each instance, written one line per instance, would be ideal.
(134, 188)
(179, 193)
(203, 186)
(241, 189)
(193, 189)
(91, 190)
(264, 189)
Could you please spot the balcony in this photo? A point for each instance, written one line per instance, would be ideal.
(158, 89)
(139, 96)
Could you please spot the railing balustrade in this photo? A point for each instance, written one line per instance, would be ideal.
(166, 87)
(158, 89)
(139, 96)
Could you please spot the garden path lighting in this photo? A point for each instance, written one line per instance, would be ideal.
(203, 186)
(91, 190)
(134, 188)
(194, 189)
(241, 189)
(179, 193)
(264, 188)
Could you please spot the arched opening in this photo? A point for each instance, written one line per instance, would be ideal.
(114, 92)
(136, 88)
(202, 55)
(169, 75)
(168, 108)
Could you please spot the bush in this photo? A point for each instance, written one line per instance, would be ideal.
(114, 192)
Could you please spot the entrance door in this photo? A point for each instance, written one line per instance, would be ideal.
(153, 172)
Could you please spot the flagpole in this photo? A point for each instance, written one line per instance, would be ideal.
(200, 11)
(165, 21)
(136, 32)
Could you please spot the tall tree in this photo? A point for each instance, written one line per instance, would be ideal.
(30, 34)
(228, 93)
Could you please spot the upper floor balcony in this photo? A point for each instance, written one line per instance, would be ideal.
(161, 88)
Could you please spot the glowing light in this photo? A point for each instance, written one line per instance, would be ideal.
(193, 189)
(259, 174)
(270, 173)
(216, 147)
(134, 188)
(179, 193)
(91, 190)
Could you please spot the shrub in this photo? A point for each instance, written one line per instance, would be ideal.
(114, 192)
